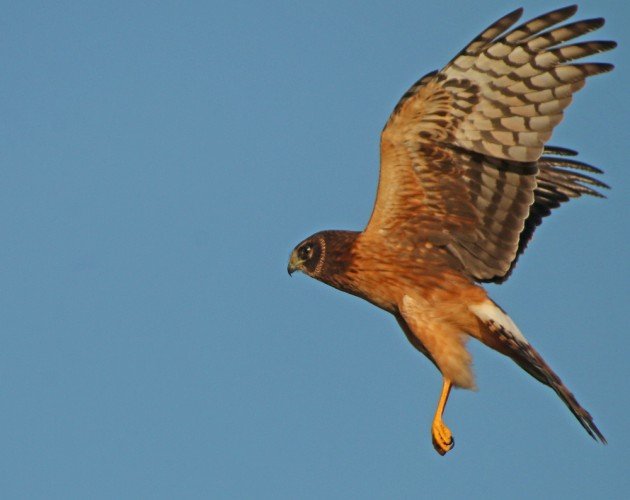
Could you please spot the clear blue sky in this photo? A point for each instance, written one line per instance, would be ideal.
(160, 161)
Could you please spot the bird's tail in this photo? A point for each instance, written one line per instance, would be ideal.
(499, 332)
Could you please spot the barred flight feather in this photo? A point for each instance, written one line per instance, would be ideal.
(464, 145)
(557, 182)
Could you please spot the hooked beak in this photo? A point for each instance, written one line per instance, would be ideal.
(294, 264)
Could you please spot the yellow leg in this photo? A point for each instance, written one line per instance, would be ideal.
(442, 437)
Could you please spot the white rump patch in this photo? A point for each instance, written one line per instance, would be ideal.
(489, 312)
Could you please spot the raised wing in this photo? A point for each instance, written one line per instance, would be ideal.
(461, 153)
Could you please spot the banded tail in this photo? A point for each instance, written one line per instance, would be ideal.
(499, 332)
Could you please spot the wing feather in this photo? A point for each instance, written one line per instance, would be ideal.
(461, 161)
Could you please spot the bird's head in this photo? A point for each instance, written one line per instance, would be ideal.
(309, 256)
(324, 256)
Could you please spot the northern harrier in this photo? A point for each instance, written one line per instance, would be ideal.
(465, 179)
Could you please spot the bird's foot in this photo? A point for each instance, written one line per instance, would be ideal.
(442, 438)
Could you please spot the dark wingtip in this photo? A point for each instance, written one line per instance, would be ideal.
(567, 11)
(605, 67)
(610, 44)
(558, 150)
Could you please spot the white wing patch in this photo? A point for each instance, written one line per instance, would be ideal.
(489, 312)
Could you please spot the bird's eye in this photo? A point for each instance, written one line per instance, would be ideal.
(305, 252)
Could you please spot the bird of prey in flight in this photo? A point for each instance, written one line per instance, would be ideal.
(466, 176)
